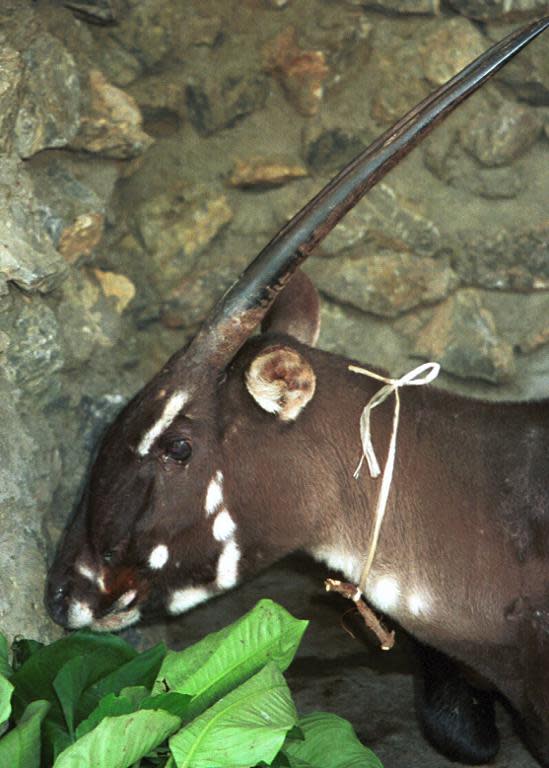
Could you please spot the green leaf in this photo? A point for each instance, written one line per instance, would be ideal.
(241, 729)
(55, 738)
(69, 683)
(110, 706)
(330, 742)
(20, 747)
(221, 661)
(6, 689)
(34, 680)
(141, 670)
(118, 742)
(176, 703)
(5, 668)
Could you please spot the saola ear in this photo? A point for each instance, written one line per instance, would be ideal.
(296, 311)
(281, 381)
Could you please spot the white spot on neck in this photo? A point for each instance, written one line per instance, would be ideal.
(418, 604)
(214, 494)
(227, 565)
(171, 410)
(158, 557)
(224, 526)
(349, 565)
(384, 593)
(184, 599)
(80, 615)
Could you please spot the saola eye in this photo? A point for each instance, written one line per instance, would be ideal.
(178, 450)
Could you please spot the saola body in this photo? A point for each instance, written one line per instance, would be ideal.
(242, 450)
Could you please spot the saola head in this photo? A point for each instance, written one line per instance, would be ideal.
(154, 529)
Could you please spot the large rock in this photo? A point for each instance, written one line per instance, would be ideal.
(499, 136)
(461, 335)
(216, 103)
(384, 283)
(11, 70)
(27, 254)
(49, 112)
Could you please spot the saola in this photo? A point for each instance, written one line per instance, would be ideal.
(241, 450)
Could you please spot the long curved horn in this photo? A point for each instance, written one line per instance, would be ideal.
(245, 304)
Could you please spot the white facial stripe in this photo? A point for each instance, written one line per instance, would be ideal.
(89, 574)
(224, 526)
(184, 599)
(171, 409)
(214, 494)
(80, 615)
(227, 565)
(158, 557)
(384, 593)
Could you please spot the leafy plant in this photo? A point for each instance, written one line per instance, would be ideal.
(90, 700)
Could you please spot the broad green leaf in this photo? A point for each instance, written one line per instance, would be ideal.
(6, 689)
(223, 660)
(141, 670)
(176, 703)
(110, 706)
(20, 747)
(119, 742)
(34, 680)
(55, 738)
(330, 742)
(241, 729)
(69, 683)
(5, 668)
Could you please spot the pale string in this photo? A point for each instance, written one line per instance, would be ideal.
(392, 386)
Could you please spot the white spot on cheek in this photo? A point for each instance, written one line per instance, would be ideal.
(214, 494)
(227, 565)
(80, 615)
(125, 599)
(158, 557)
(184, 599)
(224, 526)
(385, 593)
(89, 574)
(171, 409)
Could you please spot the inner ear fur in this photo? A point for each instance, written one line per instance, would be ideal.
(281, 381)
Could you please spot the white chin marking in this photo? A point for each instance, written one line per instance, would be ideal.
(227, 565)
(80, 615)
(384, 593)
(184, 599)
(214, 494)
(124, 600)
(171, 410)
(114, 622)
(158, 557)
(223, 526)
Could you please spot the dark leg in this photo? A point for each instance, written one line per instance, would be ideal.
(457, 718)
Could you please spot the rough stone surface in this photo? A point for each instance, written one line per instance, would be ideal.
(49, 112)
(422, 7)
(262, 172)
(486, 10)
(11, 69)
(385, 283)
(113, 125)
(461, 335)
(498, 137)
(27, 255)
(449, 47)
(301, 72)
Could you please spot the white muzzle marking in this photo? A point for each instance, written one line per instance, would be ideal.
(80, 615)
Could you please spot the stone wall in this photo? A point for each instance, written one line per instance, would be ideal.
(149, 148)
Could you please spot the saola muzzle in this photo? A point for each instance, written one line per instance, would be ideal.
(242, 450)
